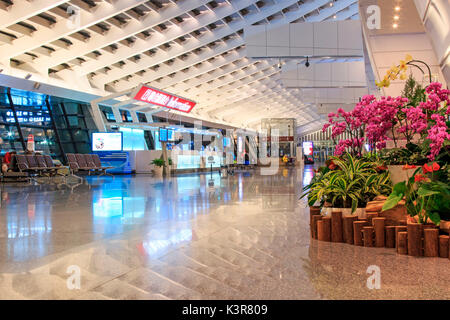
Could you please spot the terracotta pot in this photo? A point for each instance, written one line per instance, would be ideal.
(398, 174)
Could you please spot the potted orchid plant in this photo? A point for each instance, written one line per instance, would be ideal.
(426, 193)
(418, 118)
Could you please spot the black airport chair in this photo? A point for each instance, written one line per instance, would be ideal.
(82, 163)
(73, 165)
(46, 162)
(22, 164)
(91, 164)
(99, 166)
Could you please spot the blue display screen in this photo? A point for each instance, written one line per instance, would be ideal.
(163, 135)
(170, 135)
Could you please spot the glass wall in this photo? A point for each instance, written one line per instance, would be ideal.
(58, 125)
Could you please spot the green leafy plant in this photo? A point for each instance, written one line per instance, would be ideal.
(426, 194)
(414, 92)
(351, 184)
(413, 153)
(158, 162)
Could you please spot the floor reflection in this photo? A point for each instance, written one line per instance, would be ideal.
(39, 220)
(193, 236)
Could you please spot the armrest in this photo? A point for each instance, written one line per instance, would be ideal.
(73, 165)
(22, 166)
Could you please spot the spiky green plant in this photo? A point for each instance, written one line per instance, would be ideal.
(354, 183)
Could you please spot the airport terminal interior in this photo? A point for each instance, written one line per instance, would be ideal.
(224, 149)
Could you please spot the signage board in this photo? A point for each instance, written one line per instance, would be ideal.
(107, 141)
(163, 135)
(308, 148)
(164, 99)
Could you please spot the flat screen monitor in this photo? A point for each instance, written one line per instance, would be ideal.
(107, 141)
(170, 135)
(308, 148)
(163, 135)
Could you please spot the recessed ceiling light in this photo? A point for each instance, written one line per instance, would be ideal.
(331, 4)
(396, 17)
(397, 8)
(395, 26)
(335, 16)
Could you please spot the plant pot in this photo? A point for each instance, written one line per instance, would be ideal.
(158, 171)
(346, 212)
(398, 174)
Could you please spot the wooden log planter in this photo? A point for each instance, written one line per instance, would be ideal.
(397, 230)
(412, 239)
(444, 246)
(390, 236)
(324, 229)
(431, 242)
(313, 211)
(378, 224)
(357, 232)
(348, 228)
(402, 242)
(336, 226)
(315, 219)
(368, 236)
(371, 216)
(415, 239)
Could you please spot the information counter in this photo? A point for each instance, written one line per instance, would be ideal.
(182, 160)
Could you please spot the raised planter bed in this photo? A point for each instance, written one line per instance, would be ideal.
(381, 230)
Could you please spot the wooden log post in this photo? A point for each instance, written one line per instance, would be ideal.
(444, 246)
(314, 224)
(348, 228)
(378, 224)
(402, 242)
(414, 239)
(368, 236)
(370, 216)
(431, 242)
(336, 226)
(313, 211)
(390, 236)
(357, 232)
(327, 226)
(397, 230)
(324, 229)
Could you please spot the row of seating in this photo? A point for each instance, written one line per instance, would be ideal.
(43, 165)
(36, 164)
(89, 163)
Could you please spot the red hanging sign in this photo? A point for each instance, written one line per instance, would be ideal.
(164, 99)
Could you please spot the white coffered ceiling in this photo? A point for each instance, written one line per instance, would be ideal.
(193, 48)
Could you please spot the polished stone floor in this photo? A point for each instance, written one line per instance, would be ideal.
(190, 237)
